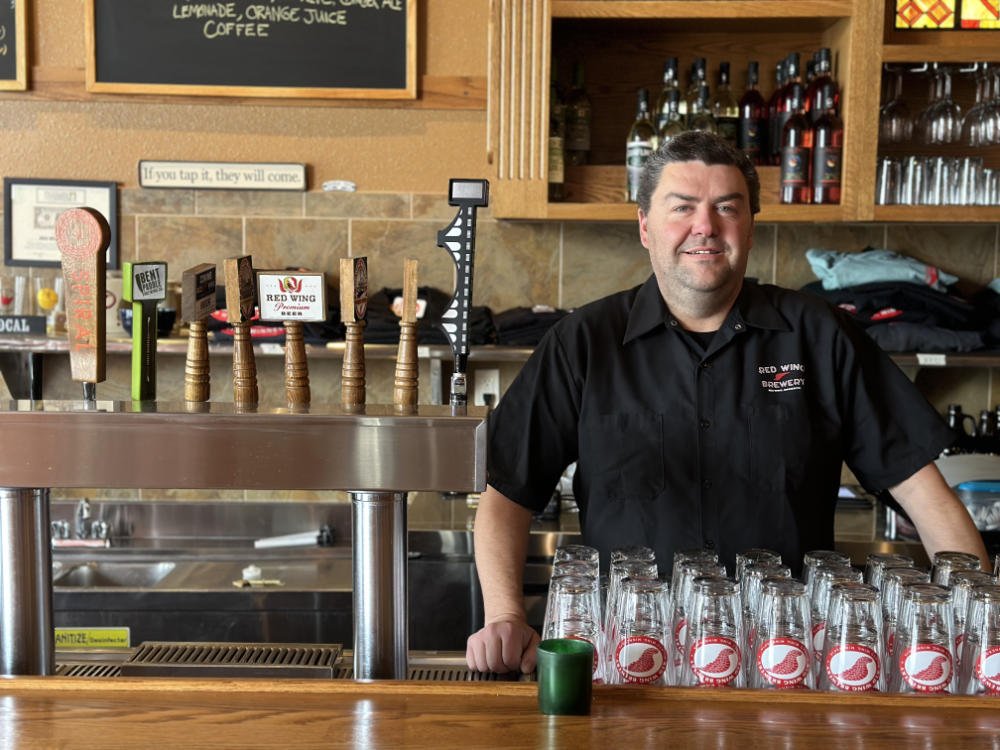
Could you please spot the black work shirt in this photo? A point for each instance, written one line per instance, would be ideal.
(734, 446)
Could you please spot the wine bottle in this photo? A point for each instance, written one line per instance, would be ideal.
(792, 76)
(674, 122)
(828, 141)
(639, 144)
(773, 105)
(698, 78)
(701, 117)
(557, 142)
(824, 76)
(578, 115)
(752, 133)
(796, 149)
(725, 109)
(670, 85)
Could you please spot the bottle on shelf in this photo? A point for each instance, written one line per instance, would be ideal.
(796, 149)
(639, 144)
(578, 114)
(751, 136)
(700, 117)
(793, 75)
(773, 105)
(823, 77)
(557, 142)
(671, 84)
(828, 143)
(698, 79)
(674, 122)
(725, 109)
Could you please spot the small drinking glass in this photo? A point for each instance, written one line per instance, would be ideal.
(640, 651)
(755, 556)
(877, 563)
(815, 558)
(961, 584)
(634, 552)
(853, 653)
(781, 648)
(823, 580)
(714, 643)
(980, 671)
(687, 572)
(579, 553)
(893, 582)
(574, 611)
(621, 571)
(944, 563)
(924, 658)
(689, 555)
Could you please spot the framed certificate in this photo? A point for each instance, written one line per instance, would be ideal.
(30, 211)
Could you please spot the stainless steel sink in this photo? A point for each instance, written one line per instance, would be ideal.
(114, 574)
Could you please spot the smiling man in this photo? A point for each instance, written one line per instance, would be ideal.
(702, 409)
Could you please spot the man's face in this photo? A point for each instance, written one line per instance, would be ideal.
(698, 231)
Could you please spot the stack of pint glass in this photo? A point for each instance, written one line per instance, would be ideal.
(891, 627)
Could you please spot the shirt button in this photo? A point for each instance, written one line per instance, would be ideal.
(709, 544)
(673, 323)
(707, 484)
(738, 326)
(705, 424)
(706, 365)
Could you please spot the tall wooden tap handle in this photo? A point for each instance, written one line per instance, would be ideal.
(197, 303)
(83, 236)
(404, 391)
(296, 366)
(353, 308)
(239, 306)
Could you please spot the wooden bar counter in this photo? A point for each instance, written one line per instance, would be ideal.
(57, 712)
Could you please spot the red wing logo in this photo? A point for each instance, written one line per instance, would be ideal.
(640, 659)
(783, 662)
(780, 376)
(926, 667)
(290, 285)
(853, 667)
(715, 660)
(988, 668)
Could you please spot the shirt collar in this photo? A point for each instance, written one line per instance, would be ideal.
(752, 308)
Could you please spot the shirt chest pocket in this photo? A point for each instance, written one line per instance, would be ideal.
(623, 453)
(779, 438)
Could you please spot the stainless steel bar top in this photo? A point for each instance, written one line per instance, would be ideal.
(160, 445)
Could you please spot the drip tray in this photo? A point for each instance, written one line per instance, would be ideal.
(288, 660)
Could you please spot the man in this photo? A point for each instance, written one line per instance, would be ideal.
(703, 410)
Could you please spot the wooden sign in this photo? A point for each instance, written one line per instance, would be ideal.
(13, 45)
(239, 289)
(362, 49)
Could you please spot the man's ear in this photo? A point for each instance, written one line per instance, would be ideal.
(643, 229)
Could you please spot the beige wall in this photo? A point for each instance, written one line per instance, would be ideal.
(401, 157)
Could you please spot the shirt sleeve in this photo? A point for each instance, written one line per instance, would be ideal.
(890, 429)
(533, 431)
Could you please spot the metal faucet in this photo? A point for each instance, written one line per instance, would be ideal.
(82, 527)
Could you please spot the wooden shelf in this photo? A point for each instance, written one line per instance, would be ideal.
(942, 214)
(628, 212)
(949, 359)
(696, 9)
(983, 51)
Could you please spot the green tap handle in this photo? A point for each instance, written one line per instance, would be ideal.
(144, 284)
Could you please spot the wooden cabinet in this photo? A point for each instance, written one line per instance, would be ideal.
(623, 44)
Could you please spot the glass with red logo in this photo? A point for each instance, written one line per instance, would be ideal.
(923, 658)
(980, 670)
(781, 646)
(687, 572)
(961, 584)
(621, 571)
(853, 659)
(877, 563)
(578, 553)
(714, 644)
(944, 563)
(574, 611)
(892, 593)
(640, 650)
(823, 581)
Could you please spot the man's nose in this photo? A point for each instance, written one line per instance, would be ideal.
(704, 221)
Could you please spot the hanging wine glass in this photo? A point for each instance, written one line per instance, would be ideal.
(895, 122)
(942, 120)
(975, 124)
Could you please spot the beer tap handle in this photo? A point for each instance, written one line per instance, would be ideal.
(405, 389)
(197, 303)
(353, 309)
(240, 306)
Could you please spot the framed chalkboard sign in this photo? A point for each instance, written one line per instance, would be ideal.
(13, 45)
(346, 49)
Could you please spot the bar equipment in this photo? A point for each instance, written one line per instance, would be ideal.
(293, 297)
(83, 236)
(240, 308)
(197, 303)
(459, 239)
(144, 284)
(404, 391)
(353, 310)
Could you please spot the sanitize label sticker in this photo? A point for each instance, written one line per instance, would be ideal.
(78, 638)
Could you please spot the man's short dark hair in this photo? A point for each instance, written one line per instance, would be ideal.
(696, 145)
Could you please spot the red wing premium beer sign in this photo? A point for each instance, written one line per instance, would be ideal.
(291, 295)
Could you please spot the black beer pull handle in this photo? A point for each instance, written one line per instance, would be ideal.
(459, 239)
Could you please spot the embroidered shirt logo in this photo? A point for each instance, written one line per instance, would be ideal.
(790, 376)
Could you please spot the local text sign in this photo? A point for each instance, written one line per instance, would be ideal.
(291, 295)
(215, 175)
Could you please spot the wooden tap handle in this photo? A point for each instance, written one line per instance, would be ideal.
(197, 381)
(404, 391)
(352, 375)
(244, 366)
(296, 366)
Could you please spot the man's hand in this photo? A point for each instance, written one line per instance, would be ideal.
(503, 646)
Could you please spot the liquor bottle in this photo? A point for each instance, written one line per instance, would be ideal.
(792, 76)
(578, 120)
(824, 76)
(752, 133)
(670, 84)
(557, 142)
(828, 141)
(796, 149)
(773, 104)
(700, 117)
(698, 68)
(639, 144)
(725, 108)
(674, 122)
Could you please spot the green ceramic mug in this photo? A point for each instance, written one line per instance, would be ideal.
(565, 673)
